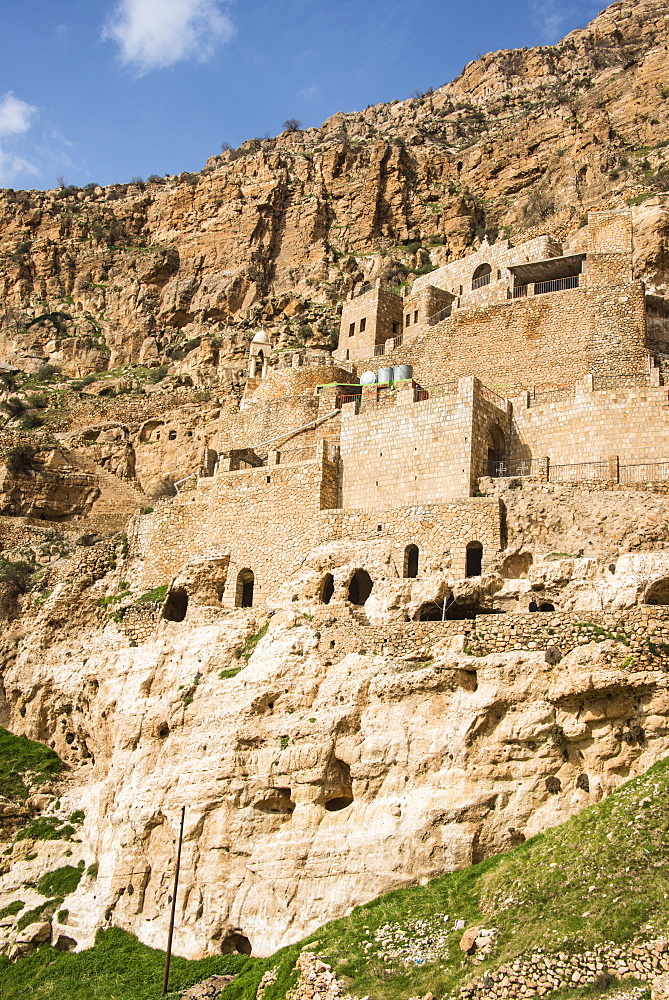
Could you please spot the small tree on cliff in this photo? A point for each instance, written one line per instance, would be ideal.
(292, 125)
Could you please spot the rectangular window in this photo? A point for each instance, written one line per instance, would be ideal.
(407, 319)
(415, 316)
(351, 329)
(396, 329)
(363, 324)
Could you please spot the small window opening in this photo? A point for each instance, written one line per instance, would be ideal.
(244, 590)
(363, 325)
(172, 436)
(235, 943)
(396, 328)
(415, 316)
(157, 435)
(327, 589)
(176, 605)
(411, 561)
(474, 559)
(338, 802)
(347, 355)
(360, 587)
(407, 319)
(351, 330)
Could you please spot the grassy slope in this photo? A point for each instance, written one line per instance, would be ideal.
(603, 875)
(23, 760)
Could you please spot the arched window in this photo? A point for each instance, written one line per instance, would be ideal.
(411, 561)
(360, 587)
(327, 589)
(481, 276)
(474, 559)
(176, 605)
(244, 591)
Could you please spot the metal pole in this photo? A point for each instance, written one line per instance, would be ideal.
(168, 953)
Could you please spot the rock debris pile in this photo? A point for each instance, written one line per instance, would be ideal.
(540, 974)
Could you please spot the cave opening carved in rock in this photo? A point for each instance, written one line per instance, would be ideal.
(235, 942)
(277, 801)
(327, 589)
(360, 587)
(658, 592)
(176, 605)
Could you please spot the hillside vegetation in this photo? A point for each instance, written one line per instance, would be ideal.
(602, 876)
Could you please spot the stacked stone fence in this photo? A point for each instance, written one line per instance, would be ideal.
(644, 630)
(539, 974)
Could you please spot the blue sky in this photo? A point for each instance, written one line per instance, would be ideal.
(108, 90)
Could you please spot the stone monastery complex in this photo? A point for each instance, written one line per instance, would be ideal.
(533, 361)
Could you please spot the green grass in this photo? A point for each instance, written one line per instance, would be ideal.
(46, 828)
(602, 876)
(117, 968)
(60, 882)
(12, 908)
(44, 911)
(24, 762)
(230, 672)
(157, 594)
(252, 642)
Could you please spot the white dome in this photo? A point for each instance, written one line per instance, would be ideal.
(261, 338)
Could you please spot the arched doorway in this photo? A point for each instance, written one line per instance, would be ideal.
(327, 589)
(235, 943)
(474, 559)
(360, 587)
(176, 605)
(244, 591)
(411, 562)
(495, 451)
(481, 276)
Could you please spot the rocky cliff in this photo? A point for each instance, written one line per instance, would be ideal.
(277, 231)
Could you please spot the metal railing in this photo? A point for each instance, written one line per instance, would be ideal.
(493, 397)
(397, 342)
(379, 350)
(541, 287)
(507, 469)
(556, 284)
(346, 398)
(480, 282)
(437, 317)
(647, 472)
(557, 395)
(179, 485)
(363, 290)
(578, 472)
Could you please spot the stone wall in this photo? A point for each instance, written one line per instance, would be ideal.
(644, 630)
(264, 518)
(553, 338)
(631, 423)
(381, 311)
(437, 529)
(397, 450)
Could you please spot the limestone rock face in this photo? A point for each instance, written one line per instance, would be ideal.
(523, 140)
(312, 783)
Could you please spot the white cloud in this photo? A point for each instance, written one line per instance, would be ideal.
(555, 17)
(16, 116)
(153, 34)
